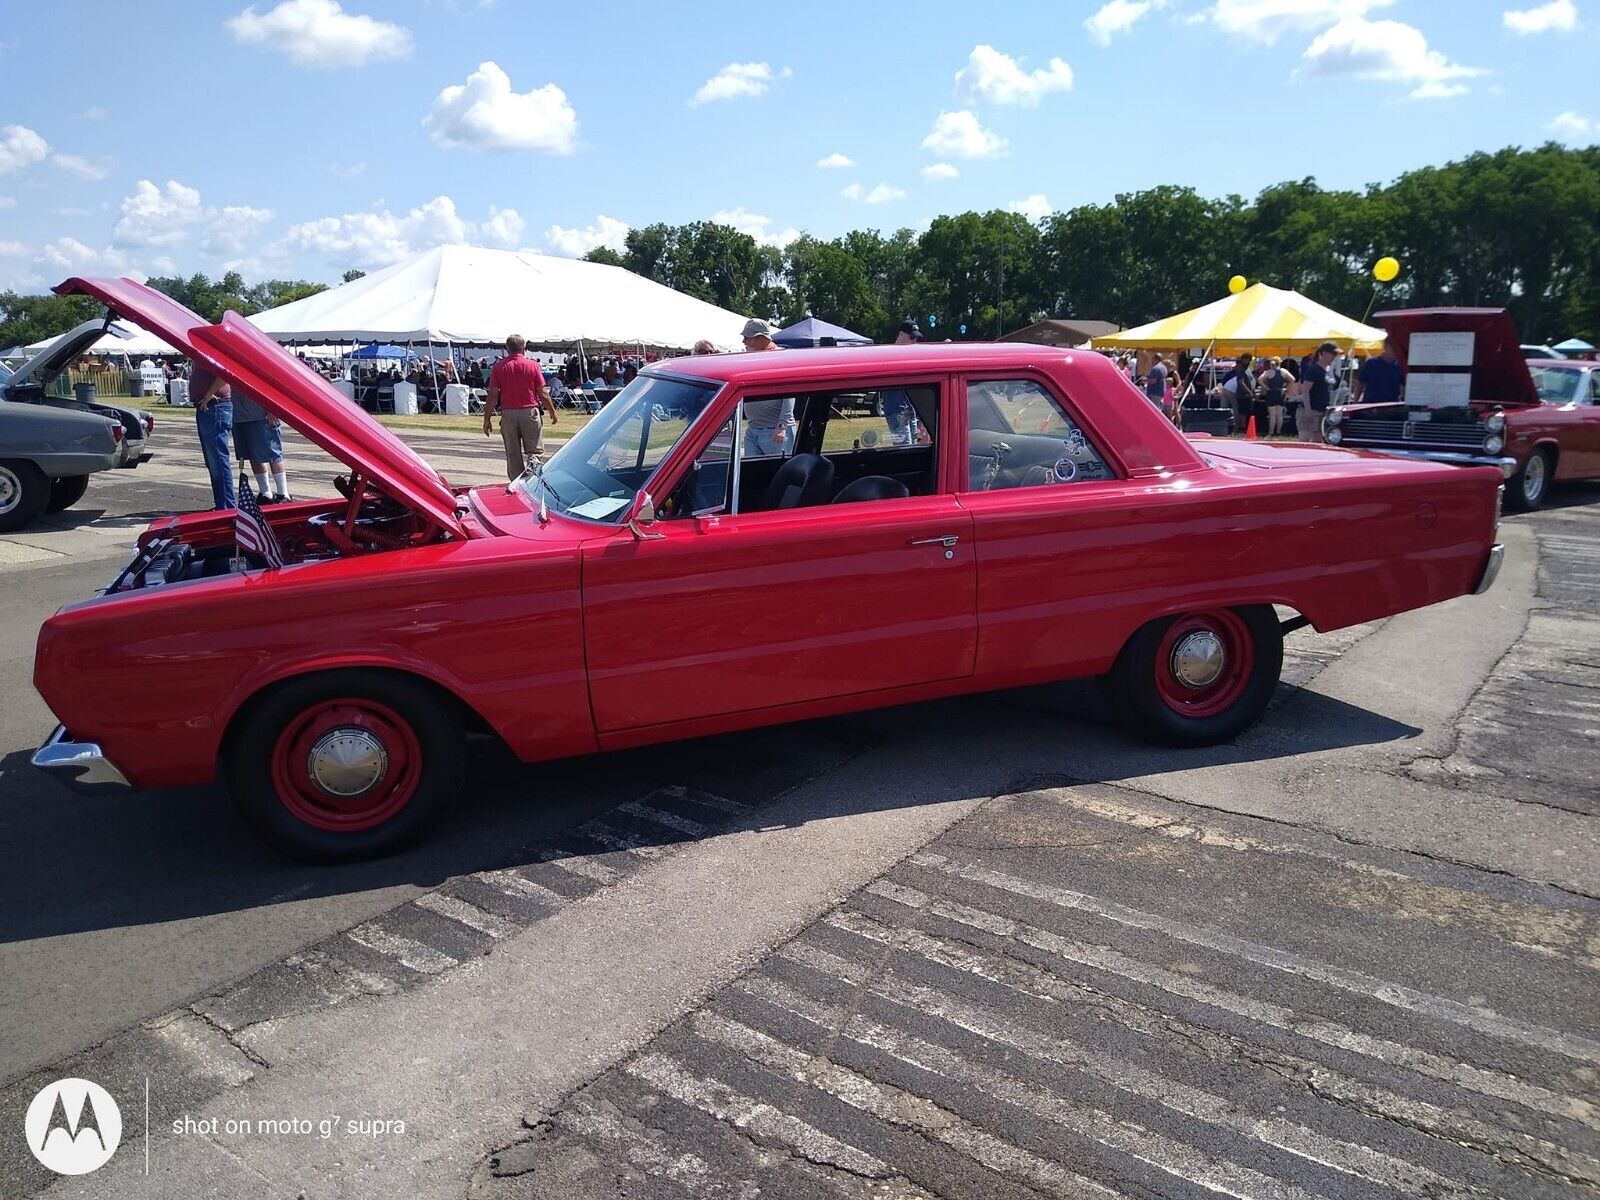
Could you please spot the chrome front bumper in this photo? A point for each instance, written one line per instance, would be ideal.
(80, 765)
(1508, 466)
(1491, 569)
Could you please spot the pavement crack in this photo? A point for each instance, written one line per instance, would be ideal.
(229, 1035)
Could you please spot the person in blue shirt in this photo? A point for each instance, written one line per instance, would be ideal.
(1380, 380)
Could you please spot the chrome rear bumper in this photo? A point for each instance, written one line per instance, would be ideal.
(1508, 466)
(1491, 569)
(80, 765)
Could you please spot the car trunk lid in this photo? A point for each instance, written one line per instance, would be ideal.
(1499, 370)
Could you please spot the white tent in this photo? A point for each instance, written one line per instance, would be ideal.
(468, 294)
(137, 344)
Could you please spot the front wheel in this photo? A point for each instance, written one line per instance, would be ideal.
(1531, 483)
(345, 765)
(1198, 678)
(66, 491)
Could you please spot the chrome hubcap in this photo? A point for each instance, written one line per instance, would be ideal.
(10, 490)
(1197, 660)
(1533, 477)
(347, 762)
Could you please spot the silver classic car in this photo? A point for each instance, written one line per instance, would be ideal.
(31, 385)
(47, 455)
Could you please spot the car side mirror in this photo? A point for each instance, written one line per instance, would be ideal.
(644, 516)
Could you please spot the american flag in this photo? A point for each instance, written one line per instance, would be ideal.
(251, 530)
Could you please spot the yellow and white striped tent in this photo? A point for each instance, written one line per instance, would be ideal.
(1260, 320)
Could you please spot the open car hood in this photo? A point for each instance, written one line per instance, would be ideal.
(1499, 370)
(287, 388)
(44, 366)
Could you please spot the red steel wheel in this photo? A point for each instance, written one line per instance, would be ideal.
(346, 764)
(1204, 662)
(324, 770)
(1198, 678)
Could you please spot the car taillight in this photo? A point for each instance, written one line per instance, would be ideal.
(116, 433)
(149, 424)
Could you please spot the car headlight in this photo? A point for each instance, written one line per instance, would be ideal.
(1335, 416)
(1495, 422)
(1333, 436)
(1494, 443)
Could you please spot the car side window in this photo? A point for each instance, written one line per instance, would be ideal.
(708, 488)
(1019, 435)
(769, 427)
(1594, 387)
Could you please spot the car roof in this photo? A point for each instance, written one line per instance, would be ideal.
(867, 360)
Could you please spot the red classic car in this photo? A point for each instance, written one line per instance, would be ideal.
(1483, 403)
(726, 545)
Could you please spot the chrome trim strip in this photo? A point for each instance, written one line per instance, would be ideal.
(80, 765)
(1508, 466)
(1491, 568)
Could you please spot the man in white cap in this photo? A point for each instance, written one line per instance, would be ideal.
(768, 424)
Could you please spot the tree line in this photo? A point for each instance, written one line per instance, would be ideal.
(1514, 228)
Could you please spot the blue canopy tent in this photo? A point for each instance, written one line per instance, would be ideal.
(382, 352)
(1573, 346)
(811, 332)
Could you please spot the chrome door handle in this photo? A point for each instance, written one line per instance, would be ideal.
(947, 541)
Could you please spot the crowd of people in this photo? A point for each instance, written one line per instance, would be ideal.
(1265, 389)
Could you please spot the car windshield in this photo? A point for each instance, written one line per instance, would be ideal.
(597, 474)
(1556, 385)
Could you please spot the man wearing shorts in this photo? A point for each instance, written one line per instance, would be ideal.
(518, 391)
(256, 440)
(1316, 392)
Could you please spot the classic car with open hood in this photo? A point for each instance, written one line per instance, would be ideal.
(1473, 398)
(1003, 515)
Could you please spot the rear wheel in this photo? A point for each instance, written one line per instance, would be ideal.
(1531, 484)
(24, 492)
(346, 765)
(1197, 678)
(66, 491)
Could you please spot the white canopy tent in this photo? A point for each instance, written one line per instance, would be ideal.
(138, 344)
(475, 296)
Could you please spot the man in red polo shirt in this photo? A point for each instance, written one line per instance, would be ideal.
(517, 389)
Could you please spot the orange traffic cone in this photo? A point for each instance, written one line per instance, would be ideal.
(1250, 428)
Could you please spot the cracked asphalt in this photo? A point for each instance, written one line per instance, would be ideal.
(980, 948)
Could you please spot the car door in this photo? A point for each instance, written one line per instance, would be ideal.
(718, 613)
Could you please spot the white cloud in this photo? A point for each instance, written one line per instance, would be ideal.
(318, 33)
(738, 79)
(20, 147)
(938, 171)
(959, 135)
(836, 162)
(155, 216)
(94, 113)
(575, 243)
(485, 114)
(1573, 126)
(1559, 16)
(1036, 208)
(8, 201)
(1389, 51)
(1001, 79)
(882, 194)
(14, 250)
(757, 226)
(1119, 16)
(230, 229)
(1268, 20)
(380, 237)
(503, 228)
(348, 170)
(84, 168)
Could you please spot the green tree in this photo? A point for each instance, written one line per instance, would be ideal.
(28, 319)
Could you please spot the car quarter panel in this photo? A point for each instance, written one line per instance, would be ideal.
(60, 441)
(493, 622)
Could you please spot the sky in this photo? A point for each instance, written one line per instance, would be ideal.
(300, 138)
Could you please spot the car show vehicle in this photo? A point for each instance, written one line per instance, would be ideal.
(677, 570)
(1472, 398)
(47, 455)
(31, 382)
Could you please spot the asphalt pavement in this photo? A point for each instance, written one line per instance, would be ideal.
(981, 947)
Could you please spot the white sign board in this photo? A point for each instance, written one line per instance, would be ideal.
(1438, 390)
(1440, 350)
(151, 379)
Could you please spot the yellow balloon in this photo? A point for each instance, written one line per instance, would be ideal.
(1386, 269)
(1238, 284)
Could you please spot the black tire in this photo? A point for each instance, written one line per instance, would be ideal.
(261, 764)
(1133, 688)
(66, 491)
(24, 492)
(1530, 486)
